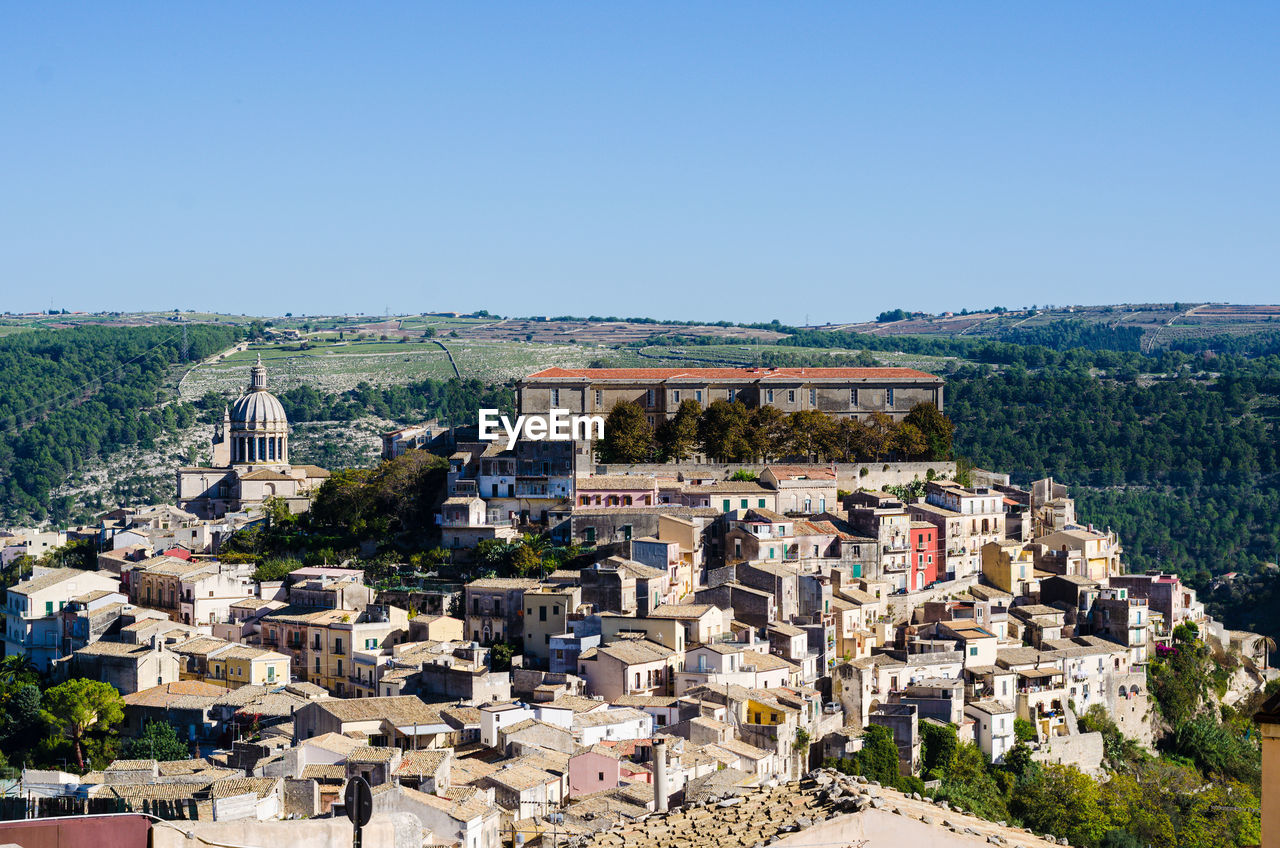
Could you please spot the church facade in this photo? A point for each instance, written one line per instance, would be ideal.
(250, 460)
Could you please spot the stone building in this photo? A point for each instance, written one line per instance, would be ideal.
(842, 392)
(250, 461)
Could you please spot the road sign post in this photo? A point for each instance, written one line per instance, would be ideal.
(359, 803)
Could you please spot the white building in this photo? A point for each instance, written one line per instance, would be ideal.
(33, 610)
(992, 727)
(621, 723)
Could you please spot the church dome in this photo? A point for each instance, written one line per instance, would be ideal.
(259, 429)
(258, 409)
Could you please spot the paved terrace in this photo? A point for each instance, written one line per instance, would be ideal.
(825, 810)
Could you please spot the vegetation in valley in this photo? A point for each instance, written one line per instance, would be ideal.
(72, 395)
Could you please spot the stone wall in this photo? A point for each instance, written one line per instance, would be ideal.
(250, 833)
(1132, 712)
(1082, 750)
(899, 607)
(850, 476)
(301, 798)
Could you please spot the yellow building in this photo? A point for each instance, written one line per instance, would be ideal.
(1008, 565)
(1268, 719)
(243, 665)
(1100, 552)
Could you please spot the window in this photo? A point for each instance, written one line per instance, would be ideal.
(853, 397)
(769, 395)
(973, 652)
(600, 776)
(555, 609)
(888, 398)
(733, 395)
(589, 535)
(808, 502)
(649, 398)
(317, 665)
(760, 503)
(743, 503)
(791, 395)
(555, 397)
(542, 613)
(697, 395)
(813, 397)
(726, 504)
(48, 607)
(599, 398)
(675, 396)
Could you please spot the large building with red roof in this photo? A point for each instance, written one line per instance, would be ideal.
(840, 392)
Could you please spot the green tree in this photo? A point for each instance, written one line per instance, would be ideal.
(878, 758)
(20, 718)
(16, 670)
(938, 744)
(80, 706)
(628, 438)
(677, 437)
(908, 442)
(766, 433)
(1063, 801)
(1024, 730)
(724, 432)
(500, 656)
(810, 432)
(935, 427)
(159, 741)
(275, 568)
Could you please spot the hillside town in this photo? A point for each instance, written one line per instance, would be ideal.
(722, 632)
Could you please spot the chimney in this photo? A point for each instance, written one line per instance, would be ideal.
(660, 792)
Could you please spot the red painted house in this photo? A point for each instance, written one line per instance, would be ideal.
(926, 555)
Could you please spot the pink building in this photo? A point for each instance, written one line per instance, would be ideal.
(616, 490)
(599, 768)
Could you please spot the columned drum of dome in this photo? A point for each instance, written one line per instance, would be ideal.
(259, 428)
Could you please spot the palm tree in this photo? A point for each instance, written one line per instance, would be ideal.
(18, 668)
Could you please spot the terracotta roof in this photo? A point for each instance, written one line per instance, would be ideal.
(399, 709)
(422, 762)
(658, 374)
(179, 695)
(51, 578)
(620, 482)
(324, 772)
(802, 472)
(232, 786)
(635, 651)
(265, 474)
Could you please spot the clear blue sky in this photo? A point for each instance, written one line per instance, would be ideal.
(687, 160)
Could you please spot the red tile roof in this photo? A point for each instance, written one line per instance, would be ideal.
(730, 373)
